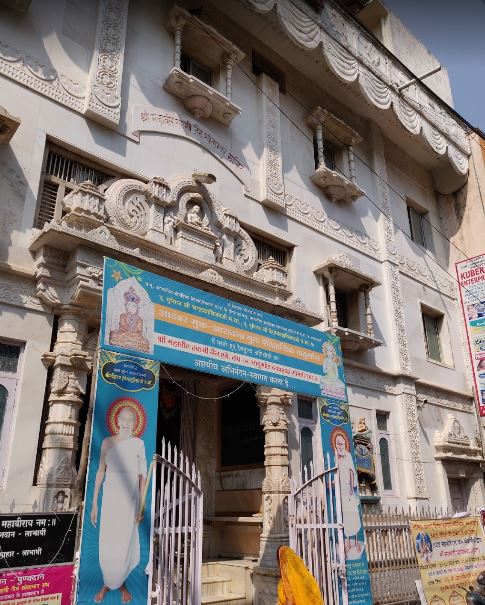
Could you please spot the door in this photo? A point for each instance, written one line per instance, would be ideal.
(457, 495)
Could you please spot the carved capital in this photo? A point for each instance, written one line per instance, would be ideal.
(84, 207)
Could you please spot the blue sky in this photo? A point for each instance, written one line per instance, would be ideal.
(454, 31)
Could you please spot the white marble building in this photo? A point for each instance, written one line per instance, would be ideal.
(323, 207)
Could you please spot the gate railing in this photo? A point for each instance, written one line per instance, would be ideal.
(316, 530)
(392, 561)
(177, 503)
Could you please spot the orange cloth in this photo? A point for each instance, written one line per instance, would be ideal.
(297, 585)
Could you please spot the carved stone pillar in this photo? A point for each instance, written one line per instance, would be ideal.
(331, 299)
(70, 367)
(274, 404)
(368, 311)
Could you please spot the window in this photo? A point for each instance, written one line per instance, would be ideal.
(9, 367)
(416, 226)
(195, 69)
(385, 464)
(341, 300)
(382, 422)
(267, 249)
(307, 426)
(63, 171)
(432, 328)
(306, 451)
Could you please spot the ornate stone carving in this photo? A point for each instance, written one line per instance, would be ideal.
(454, 444)
(273, 189)
(127, 207)
(19, 291)
(338, 37)
(104, 83)
(271, 272)
(370, 380)
(84, 207)
(434, 396)
(319, 220)
(49, 267)
(41, 78)
(336, 186)
(400, 326)
(412, 426)
(70, 366)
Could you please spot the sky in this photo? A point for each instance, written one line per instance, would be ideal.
(454, 31)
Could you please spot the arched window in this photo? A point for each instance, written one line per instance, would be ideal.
(306, 449)
(385, 463)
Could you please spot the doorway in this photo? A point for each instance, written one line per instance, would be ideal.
(458, 494)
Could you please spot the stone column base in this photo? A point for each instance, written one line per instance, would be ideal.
(265, 583)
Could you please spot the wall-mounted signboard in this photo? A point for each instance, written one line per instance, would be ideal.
(164, 320)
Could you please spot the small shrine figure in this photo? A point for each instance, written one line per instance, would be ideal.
(218, 250)
(169, 229)
(364, 458)
(194, 216)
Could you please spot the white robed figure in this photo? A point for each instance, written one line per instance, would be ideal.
(349, 493)
(123, 468)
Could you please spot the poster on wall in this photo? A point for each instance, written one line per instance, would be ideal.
(471, 280)
(115, 542)
(37, 586)
(32, 539)
(450, 555)
(337, 440)
(161, 319)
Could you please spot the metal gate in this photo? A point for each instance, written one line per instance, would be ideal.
(316, 530)
(177, 503)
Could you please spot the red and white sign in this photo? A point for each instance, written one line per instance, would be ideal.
(471, 280)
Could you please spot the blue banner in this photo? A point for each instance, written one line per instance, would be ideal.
(115, 543)
(154, 317)
(337, 440)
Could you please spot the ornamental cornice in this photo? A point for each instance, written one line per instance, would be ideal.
(367, 379)
(352, 56)
(446, 399)
(443, 283)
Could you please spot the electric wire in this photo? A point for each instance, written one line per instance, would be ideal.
(388, 216)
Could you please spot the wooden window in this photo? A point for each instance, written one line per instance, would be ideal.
(381, 419)
(63, 171)
(432, 329)
(193, 68)
(305, 409)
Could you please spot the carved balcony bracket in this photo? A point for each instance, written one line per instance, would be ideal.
(8, 126)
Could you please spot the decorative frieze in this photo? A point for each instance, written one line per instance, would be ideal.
(19, 291)
(103, 98)
(434, 396)
(454, 444)
(414, 440)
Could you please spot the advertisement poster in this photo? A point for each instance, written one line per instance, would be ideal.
(471, 280)
(37, 586)
(115, 542)
(337, 439)
(34, 539)
(167, 321)
(450, 554)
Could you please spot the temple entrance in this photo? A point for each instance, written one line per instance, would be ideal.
(215, 425)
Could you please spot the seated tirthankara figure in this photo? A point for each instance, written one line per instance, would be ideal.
(129, 334)
(194, 217)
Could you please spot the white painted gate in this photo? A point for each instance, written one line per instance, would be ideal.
(316, 530)
(177, 503)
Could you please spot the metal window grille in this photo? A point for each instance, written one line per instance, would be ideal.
(266, 249)
(62, 173)
(432, 332)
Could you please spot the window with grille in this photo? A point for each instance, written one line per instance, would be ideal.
(432, 329)
(63, 171)
(383, 436)
(267, 249)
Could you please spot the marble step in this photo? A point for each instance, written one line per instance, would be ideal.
(224, 599)
(216, 585)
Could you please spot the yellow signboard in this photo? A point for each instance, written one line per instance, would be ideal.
(450, 554)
